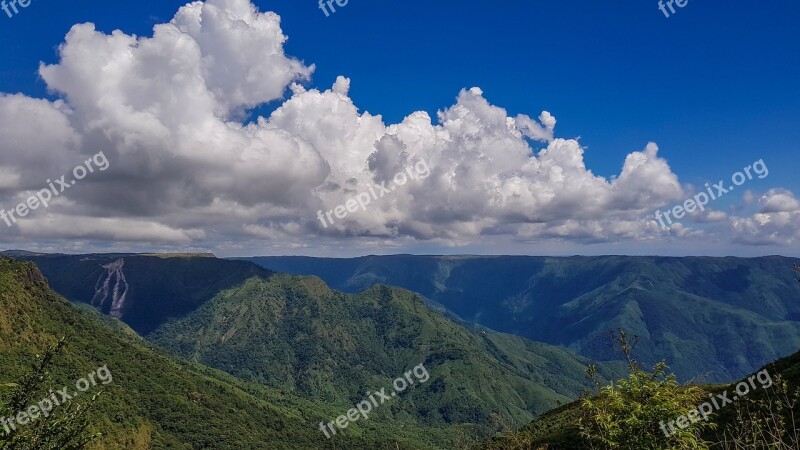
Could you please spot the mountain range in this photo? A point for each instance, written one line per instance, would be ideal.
(296, 335)
(712, 319)
(157, 401)
(257, 352)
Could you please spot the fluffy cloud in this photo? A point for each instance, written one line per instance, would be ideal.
(168, 112)
(779, 200)
(778, 222)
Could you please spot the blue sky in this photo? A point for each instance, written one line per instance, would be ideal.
(715, 86)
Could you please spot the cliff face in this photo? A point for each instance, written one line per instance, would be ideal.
(142, 291)
(111, 289)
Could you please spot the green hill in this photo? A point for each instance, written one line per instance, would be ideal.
(716, 319)
(296, 334)
(156, 401)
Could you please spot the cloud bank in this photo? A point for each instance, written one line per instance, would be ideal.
(188, 171)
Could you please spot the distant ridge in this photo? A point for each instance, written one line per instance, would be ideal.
(143, 290)
(13, 253)
(714, 318)
(296, 334)
(180, 255)
(23, 253)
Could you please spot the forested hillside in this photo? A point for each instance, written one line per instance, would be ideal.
(714, 319)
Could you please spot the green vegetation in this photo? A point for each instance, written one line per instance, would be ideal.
(294, 353)
(699, 313)
(62, 429)
(627, 414)
(767, 418)
(296, 334)
(156, 401)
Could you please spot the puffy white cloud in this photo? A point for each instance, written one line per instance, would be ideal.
(540, 131)
(778, 222)
(186, 169)
(243, 63)
(161, 108)
(780, 228)
(35, 134)
(779, 200)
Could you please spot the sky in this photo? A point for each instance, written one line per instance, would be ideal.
(523, 126)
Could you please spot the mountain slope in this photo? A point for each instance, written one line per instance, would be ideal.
(714, 318)
(156, 401)
(297, 334)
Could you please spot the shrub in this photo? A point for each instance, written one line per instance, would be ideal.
(628, 414)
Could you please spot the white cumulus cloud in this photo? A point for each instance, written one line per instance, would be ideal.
(186, 168)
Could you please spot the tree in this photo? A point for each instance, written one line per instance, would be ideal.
(65, 428)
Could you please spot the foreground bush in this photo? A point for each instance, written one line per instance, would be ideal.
(631, 414)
